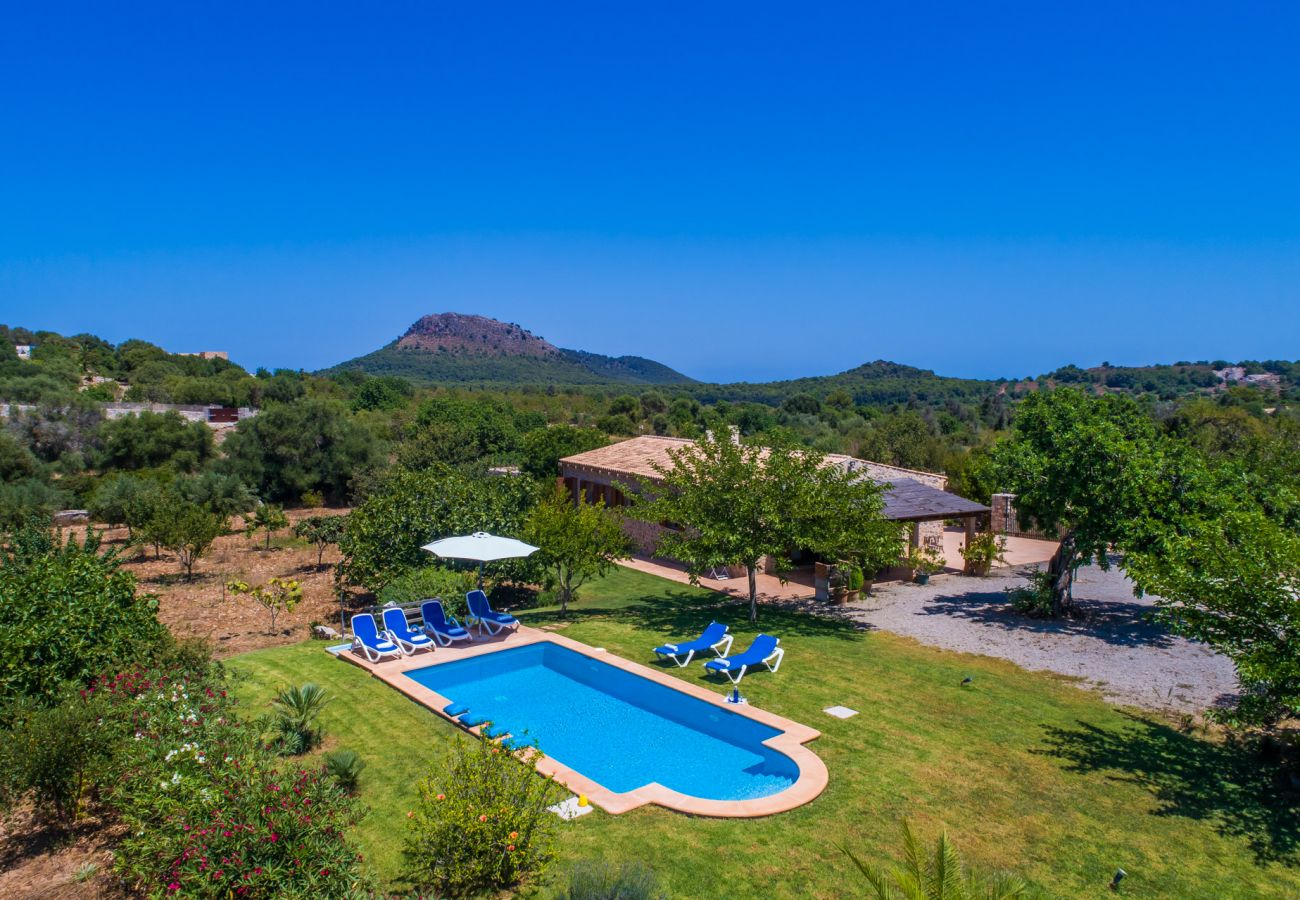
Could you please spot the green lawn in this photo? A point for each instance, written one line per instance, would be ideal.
(1026, 772)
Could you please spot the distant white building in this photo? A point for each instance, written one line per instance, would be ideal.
(24, 351)
(208, 354)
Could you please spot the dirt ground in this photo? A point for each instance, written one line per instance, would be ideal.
(38, 860)
(231, 622)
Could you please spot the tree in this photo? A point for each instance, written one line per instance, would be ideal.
(218, 492)
(1232, 581)
(279, 595)
(267, 517)
(70, 607)
(127, 500)
(321, 531)
(543, 448)
(576, 541)
(307, 445)
(407, 509)
(458, 431)
(192, 531)
(154, 439)
(734, 504)
(386, 393)
(1091, 468)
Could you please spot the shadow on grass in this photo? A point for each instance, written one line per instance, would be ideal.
(1226, 784)
(683, 614)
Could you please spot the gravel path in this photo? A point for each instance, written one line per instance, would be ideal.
(1114, 648)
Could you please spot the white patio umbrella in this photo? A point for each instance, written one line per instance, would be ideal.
(479, 547)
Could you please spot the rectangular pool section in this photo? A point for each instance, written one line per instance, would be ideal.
(614, 726)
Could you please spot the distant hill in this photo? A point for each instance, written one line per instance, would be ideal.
(873, 383)
(465, 349)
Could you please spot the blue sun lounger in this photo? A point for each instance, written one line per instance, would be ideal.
(367, 639)
(481, 611)
(764, 649)
(714, 636)
(401, 634)
(443, 629)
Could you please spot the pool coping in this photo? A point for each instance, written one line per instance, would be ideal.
(813, 775)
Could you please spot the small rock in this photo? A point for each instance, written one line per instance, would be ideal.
(325, 632)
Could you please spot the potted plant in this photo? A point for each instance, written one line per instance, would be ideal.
(838, 583)
(982, 551)
(856, 581)
(924, 561)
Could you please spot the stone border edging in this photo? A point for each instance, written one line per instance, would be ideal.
(813, 775)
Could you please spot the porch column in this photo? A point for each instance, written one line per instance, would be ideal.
(914, 536)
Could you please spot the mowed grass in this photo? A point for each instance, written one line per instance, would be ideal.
(1026, 772)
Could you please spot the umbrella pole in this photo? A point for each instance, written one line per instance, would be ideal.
(480, 576)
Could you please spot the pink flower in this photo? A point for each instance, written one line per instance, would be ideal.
(482, 818)
(510, 848)
(442, 796)
(174, 886)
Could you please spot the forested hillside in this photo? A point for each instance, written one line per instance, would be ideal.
(451, 348)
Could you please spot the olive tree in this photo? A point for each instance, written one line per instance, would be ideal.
(1232, 581)
(1089, 468)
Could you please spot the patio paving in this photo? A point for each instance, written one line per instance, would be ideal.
(798, 587)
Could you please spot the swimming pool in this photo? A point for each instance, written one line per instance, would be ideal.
(614, 726)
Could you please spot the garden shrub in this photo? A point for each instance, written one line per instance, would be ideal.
(599, 880)
(345, 767)
(211, 813)
(429, 582)
(67, 612)
(1034, 599)
(481, 822)
(53, 755)
(296, 712)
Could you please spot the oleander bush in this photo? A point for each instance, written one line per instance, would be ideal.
(481, 822)
(211, 811)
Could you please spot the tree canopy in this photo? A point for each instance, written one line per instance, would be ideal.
(734, 504)
(292, 448)
(409, 509)
(576, 541)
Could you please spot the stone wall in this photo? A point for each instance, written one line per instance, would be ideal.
(645, 535)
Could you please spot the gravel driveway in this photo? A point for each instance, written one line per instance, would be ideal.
(1113, 648)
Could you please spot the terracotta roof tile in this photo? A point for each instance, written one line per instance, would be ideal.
(911, 495)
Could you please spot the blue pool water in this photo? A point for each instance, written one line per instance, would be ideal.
(615, 727)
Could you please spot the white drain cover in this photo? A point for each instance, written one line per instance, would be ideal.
(569, 809)
(840, 712)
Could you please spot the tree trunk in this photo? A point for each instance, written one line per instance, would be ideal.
(1061, 568)
(753, 592)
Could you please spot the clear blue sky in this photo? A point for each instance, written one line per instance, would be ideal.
(744, 191)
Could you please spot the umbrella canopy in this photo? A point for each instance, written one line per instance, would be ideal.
(479, 547)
